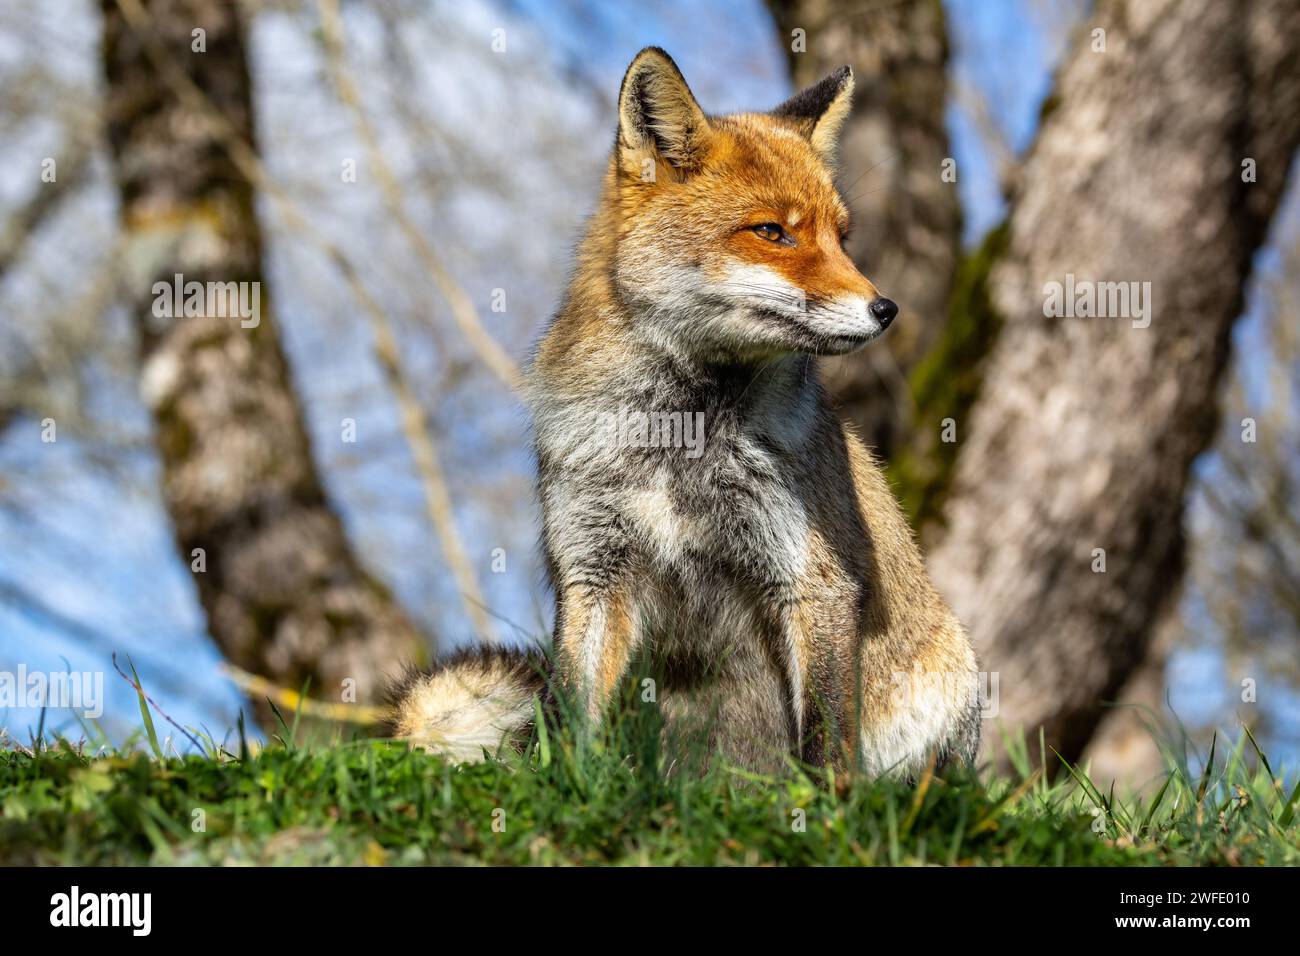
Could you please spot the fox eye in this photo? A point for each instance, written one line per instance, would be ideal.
(772, 233)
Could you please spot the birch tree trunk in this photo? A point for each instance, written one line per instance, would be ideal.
(285, 596)
(907, 218)
(1160, 160)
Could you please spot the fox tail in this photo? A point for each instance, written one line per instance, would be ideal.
(470, 703)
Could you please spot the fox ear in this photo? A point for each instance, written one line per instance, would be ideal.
(658, 113)
(819, 111)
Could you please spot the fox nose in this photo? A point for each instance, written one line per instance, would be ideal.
(884, 310)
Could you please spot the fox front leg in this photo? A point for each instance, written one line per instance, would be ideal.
(595, 637)
(815, 637)
(796, 651)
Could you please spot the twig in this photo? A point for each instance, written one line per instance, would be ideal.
(462, 309)
(254, 685)
(45, 201)
(437, 495)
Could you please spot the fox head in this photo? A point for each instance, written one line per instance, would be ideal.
(729, 229)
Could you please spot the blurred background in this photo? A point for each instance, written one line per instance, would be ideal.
(348, 484)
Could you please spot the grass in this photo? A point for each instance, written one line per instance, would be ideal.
(566, 800)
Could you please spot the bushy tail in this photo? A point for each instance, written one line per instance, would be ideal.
(470, 702)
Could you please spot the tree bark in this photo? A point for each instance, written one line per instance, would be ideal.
(285, 596)
(907, 220)
(1085, 429)
(1125, 748)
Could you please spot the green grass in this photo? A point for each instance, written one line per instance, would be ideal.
(607, 802)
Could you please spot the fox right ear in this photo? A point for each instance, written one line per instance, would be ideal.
(819, 111)
(658, 113)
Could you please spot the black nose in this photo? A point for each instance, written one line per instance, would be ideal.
(884, 310)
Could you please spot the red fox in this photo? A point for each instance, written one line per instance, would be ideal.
(703, 507)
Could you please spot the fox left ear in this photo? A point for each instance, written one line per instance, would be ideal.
(819, 111)
(658, 113)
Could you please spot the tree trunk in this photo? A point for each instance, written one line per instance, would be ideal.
(1125, 748)
(285, 596)
(907, 219)
(1085, 428)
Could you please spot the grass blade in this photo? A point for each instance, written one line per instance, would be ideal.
(1258, 752)
(1288, 810)
(543, 735)
(297, 713)
(1151, 810)
(1204, 784)
(989, 818)
(147, 717)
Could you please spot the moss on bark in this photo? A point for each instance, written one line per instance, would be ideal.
(946, 383)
